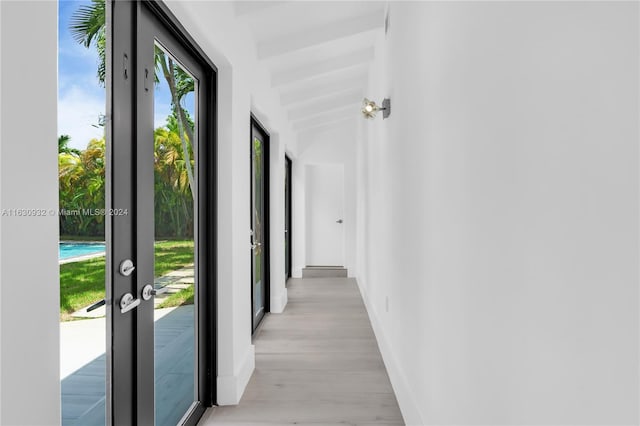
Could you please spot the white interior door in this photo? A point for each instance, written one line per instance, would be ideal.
(325, 214)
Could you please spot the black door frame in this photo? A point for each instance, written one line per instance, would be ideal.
(130, 352)
(256, 126)
(288, 215)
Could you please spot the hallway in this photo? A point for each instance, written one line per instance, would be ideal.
(488, 215)
(316, 363)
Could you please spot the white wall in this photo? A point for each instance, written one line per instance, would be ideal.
(29, 299)
(278, 295)
(500, 209)
(244, 87)
(329, 145)
(298, 220)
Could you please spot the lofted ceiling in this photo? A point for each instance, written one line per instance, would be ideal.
(317, 53)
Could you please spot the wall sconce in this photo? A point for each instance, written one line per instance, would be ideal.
(369, 108)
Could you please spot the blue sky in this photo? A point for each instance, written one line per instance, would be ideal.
(81, 99)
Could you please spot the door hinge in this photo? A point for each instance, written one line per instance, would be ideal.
(125, 66)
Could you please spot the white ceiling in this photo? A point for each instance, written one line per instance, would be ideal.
(317, 53)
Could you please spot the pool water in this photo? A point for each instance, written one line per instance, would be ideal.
(69, 250)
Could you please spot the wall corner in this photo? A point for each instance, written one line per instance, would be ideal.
(231, 388)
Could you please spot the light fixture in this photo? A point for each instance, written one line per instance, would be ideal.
(369, 108)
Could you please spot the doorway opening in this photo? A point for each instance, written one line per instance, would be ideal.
(138, 216)
(81, 213)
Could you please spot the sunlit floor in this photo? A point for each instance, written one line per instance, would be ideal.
(83, 368)
(317, 363)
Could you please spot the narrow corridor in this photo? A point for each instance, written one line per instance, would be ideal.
(317, 363)
(473, 165)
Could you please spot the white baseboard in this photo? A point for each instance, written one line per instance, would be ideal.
(297, 272)
(231, 388)
(278, 303)
(408, 405)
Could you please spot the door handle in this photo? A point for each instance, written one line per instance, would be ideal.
(339, 221)
(149, 291)
(96, 305)
(128, 303)
(255, 245)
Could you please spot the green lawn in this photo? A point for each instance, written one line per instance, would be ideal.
(183, 297)
(82, 283)
(83, 238)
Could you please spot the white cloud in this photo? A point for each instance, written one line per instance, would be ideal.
(87, 82)
(78, 112)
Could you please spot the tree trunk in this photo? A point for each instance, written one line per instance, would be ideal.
(167, 70)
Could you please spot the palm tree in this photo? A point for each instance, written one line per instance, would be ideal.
(63, 145)
(88, 27)
(174, 214)
(180, 83)
(81, 186)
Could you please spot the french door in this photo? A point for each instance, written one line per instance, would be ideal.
(259, 223)
(161, 232)
(288, 241)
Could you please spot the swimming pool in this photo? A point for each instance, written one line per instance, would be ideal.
(74, 249)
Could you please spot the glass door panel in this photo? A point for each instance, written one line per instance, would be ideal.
(175, 192)
(258, 224)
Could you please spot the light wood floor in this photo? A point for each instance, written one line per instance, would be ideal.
(316, 364)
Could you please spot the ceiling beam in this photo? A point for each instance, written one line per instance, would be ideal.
(337, 114)
(359, 57)
(311, 37)
(329, 103)
(326, 125)
(245, 8)
(323, 88)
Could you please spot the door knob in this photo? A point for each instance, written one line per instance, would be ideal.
(148, 291)
(339, 221)
(128, 303)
